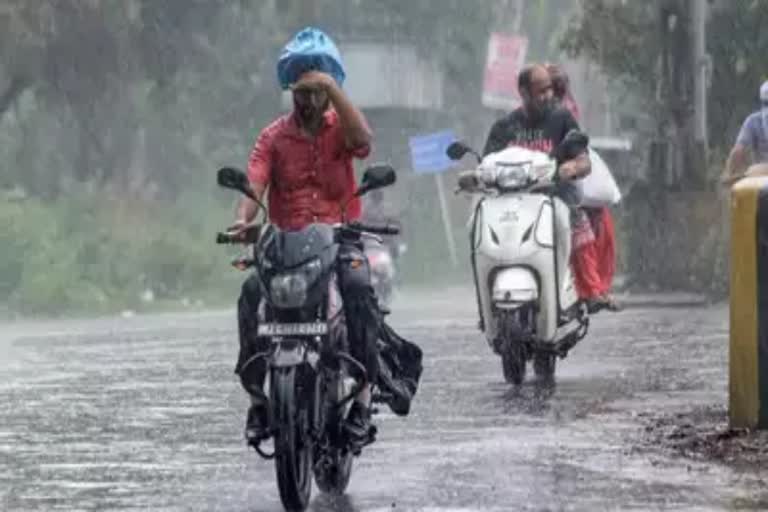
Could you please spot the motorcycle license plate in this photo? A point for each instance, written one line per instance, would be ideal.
(299, 329)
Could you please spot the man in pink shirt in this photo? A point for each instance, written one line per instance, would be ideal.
(303, 160)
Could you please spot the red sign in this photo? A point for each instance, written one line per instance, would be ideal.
(506, 56)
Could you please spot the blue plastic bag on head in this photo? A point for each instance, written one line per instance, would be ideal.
(309, 50)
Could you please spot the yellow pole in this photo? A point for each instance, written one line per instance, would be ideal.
(748, 364)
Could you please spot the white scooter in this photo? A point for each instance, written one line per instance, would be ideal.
(520, 251)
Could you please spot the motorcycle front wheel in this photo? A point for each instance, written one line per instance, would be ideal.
(333, 477)
(293, 446)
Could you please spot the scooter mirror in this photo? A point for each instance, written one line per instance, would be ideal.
(457, 150)
(574, 143)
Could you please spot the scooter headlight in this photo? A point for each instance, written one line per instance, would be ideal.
(510, 176)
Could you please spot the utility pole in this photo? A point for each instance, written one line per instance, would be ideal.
(699, 72)
(672, 145)
(517, 21)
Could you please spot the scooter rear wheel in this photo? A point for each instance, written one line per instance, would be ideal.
(544, 366)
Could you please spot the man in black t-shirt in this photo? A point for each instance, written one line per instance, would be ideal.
(540, 129)
(541, 125)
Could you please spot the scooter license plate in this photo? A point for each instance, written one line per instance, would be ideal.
(297, 329)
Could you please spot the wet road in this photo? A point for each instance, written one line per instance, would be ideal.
(145, 414)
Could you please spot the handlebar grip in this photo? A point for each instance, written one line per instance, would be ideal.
(226, 238)
(391, 229)
(388, 230)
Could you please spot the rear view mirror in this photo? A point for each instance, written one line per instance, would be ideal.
(577, 139)
(457, 150)
(377, 176)
(234, 179)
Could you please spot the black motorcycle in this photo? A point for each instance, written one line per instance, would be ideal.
(312, 377)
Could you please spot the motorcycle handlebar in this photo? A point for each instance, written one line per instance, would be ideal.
(226, 238)
(249, 236)
(388, 230)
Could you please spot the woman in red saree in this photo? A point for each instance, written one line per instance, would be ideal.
(600, 247)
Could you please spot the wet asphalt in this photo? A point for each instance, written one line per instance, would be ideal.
(144, 413)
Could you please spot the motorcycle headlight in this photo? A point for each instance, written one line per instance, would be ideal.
(513, 175)
(289, 290)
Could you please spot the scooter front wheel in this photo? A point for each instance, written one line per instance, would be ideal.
(512, 350)
(513, 363)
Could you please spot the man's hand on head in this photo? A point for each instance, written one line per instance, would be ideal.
(315, 80)
(357, 133)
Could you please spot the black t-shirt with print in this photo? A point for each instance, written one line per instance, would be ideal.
(544, 135)
(517, 129)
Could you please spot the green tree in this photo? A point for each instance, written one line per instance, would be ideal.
(626, 39)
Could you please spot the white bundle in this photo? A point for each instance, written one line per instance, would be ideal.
(598, 188)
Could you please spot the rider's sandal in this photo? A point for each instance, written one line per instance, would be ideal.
(603, 302)
(611, 304)
(595, 305)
